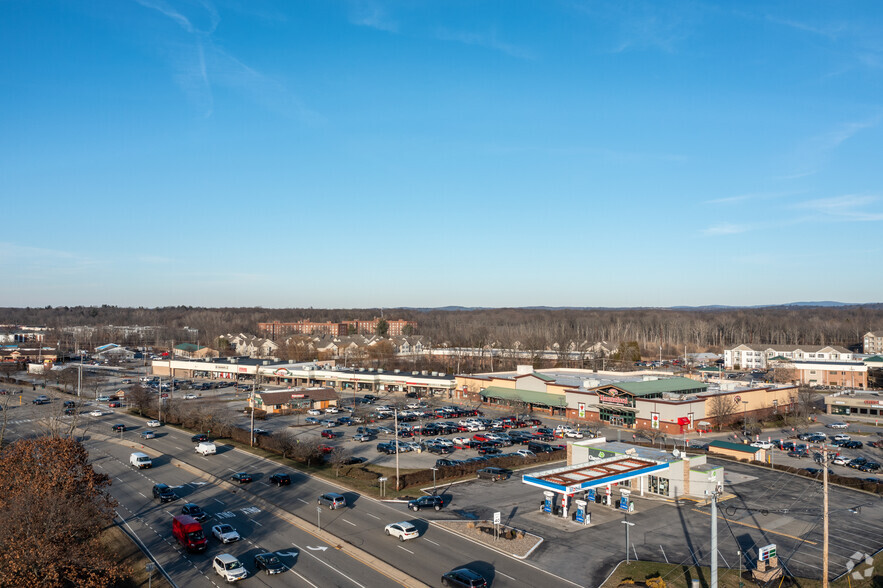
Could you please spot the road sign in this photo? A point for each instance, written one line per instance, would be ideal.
(496, 518)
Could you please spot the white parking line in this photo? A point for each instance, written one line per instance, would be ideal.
(219, 502)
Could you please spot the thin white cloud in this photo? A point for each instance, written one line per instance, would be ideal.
(725, 229)
(848, 207)
(372, 15)
(815, 151)
(489, 40)
(748, 197)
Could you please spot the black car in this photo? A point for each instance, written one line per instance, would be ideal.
(433, 501)
(852, 445)
(118, 428)
(199, 438)
(241, 477)
(354, 460)
(268, 562)
(869, 466)
(798, 453)
(439, 463)
(388, 448)
(494, 474)
(163, 492)
(280, 479)
(70, 411)
(463, 578)
(194, 511)
(489, 450)
(538, 447)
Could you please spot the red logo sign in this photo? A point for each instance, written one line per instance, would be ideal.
(613, 399)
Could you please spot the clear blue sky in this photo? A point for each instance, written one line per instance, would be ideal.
(417, 153)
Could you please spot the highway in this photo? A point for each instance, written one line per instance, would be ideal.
(314, 558)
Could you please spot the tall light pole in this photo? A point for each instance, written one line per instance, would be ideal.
(257, 370)
(825, 516)
(395, 414)
(745, 415)
(434, 491)
(714, 496)
(627, 525)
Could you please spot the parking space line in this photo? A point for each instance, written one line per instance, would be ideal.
(663, 553)
(731, 521)
(302, 500)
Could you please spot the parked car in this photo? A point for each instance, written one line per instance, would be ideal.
(841, 460)
(494, 474)
(838, 426)
(332, 500)
(329, 434)
(762, 444)
(852, 444)
(525, 453)
(314, 412)
(96, 413)
(241, 477)
(403, 531)
(798, 453)
(434, 501)
(311, 421)
(229, 568)
(164, 493)
(225, 533)
(489, 450)
(362, 437)
(269, 563)
(280, 479)
(869, 466)
(463, 578)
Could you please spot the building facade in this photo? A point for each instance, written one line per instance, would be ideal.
(396, 328)
(872, 342)
(748, 357)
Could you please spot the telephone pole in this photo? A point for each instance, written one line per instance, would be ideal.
(714, 496)
(395, 414)
(825, 516)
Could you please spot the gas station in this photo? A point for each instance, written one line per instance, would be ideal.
(612, 475)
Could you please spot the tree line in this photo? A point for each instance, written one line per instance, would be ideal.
(652, 328)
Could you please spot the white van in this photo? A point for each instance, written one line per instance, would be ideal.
(206, 448)
(140, 460)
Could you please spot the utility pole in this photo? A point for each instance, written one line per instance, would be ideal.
(627, 525)
(714, 496)
(395, 414)
(825, 516)
(254, 385)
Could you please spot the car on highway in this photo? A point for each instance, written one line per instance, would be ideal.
(332, 500)
(199, 438)
(118, 428)
(241, 477)
(494, 474)
(229, 568)
(433, 501)
(314, 412)
(96, 413)
(190, 397)
(154, 423)
(104, 399)
(194, 511)
(403, 531)
(280, 479)
(463, 578)
(148, 434)
(164, 493)
(114, 404)
(225, 533)
(838, 426)
(269, 563)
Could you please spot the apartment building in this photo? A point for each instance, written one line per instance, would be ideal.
(749, 357)
(396, 328)
(873, 342)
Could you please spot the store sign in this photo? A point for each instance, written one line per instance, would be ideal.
(613, 399)
(766, 552)
(282, 372)
(582, 410)
(654, 420)
(874, 402)
(683, 421)
(297, 395)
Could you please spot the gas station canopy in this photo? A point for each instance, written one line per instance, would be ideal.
(579, 477)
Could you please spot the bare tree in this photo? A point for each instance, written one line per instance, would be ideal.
(142, 398)
(806, 401)
(338, 458)
(721, 408)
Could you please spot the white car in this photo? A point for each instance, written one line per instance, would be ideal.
(838, 426)
(462, 441)
(842, 437)
(96, 413)
(525, 453)
(314, 411)
(443, 442)
(154, 424)
(332, 410)
(229, 568)
(841, 460)
(411, 445)
(573, 434)
(403, 531)
(190, 397)
(225, 533)
(762, 444)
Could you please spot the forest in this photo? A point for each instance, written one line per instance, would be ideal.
(671, 329)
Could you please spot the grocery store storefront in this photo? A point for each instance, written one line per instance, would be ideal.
(618, 416)
(852, 403)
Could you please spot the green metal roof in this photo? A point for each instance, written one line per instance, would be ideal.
(875, 359)
(734, 446)
(676, 385)
(529, 396)
(189, 347)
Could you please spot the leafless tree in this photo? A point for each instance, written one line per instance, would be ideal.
(806, 401)
(721, 408)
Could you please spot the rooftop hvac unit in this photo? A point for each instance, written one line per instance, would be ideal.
(442, 374)
(425, 372)
(434, 373)
(396, 371)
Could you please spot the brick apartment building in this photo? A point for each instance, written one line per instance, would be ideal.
(276, 329)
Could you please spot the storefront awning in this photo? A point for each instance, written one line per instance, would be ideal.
(528, 396)
(616, 407)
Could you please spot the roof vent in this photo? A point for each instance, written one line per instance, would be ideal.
(396, 371)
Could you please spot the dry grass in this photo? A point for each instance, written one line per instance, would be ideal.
(130, 555)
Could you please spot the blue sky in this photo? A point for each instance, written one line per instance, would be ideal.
(416, 153)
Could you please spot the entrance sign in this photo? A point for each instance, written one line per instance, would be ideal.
(766, 552)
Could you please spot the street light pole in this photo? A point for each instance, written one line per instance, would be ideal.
(627, 525)
(434, 491)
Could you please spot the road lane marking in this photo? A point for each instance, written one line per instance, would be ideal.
(346, 521)
(412, 553)
(302, 578)
(325, 563)
(499, 573)
(371, 515)
(142, 494)
(256, 523)
(663, 553)
(178, 448)
(302, 500)
(431, 541)
(219, 502)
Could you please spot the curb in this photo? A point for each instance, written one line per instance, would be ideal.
(489, 546)
(335, 542)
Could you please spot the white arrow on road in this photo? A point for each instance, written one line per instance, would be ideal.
(287, 553)
(323, 548)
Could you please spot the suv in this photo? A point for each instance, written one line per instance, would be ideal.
(435, 501)
(199, 438)
(194, 511)
(229, 568)
(332, 500)
(494, 474)
(164, 493)
(464, 578)
(280, 479)
(538, 447)
(41, 399)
